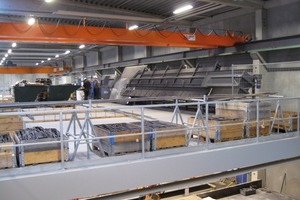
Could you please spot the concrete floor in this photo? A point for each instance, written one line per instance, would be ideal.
(260, 195)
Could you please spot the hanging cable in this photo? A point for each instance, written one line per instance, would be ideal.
(100, 31)
(51, 32)
(19, 30)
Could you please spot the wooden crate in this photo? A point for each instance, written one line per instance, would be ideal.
(251, 126)
(288, 120)
(7, 154)
(120, 145)
(10, 123)
(219, 128)
(242, 110)
(38, 154)
(166, 134)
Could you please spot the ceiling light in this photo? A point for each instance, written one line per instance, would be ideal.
(49, 58)
(48, 1)
(67, 52)
(14, 44)
(81, 46)
(183, 9)
(9, 51)
(133, 27)
(56, 56)
(3, 58)
(36, 63)
(6, 55)
(42, 61)
(31, 21)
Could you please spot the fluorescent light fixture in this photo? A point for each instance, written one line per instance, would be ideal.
(6, 55)
(14, 44)
(42, 61)
(31, 21)
(67, 52)
(9, 51)
(48, 1)
(3, 58)
(49, 59)
(183, 9)
(81, 46)
(56, 56)
(133, 27)
(36, 63)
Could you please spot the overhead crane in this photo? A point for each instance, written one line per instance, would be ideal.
(51, 33)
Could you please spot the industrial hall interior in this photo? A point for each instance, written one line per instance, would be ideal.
(149, 99)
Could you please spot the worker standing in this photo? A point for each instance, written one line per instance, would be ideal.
(87, 87)
(96, 88)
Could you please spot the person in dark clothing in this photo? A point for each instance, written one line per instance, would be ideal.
(96, 88)
(87, 86)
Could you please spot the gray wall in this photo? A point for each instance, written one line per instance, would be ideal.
(284, 20)
(275, 176)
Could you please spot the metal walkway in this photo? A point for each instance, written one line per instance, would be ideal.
(167, 169)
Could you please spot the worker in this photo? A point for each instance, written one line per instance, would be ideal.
(86, 88)
(96, 88)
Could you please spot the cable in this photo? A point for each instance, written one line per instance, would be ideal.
(49, 33)
(91, 33)
(19, 30)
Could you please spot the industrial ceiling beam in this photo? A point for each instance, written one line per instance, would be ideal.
(33, 70)
(69, 34)
(254, 4)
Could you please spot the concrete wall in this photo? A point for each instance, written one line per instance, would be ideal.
(275, 176)
(284, 20)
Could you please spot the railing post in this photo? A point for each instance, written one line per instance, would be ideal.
(143, 132)
(206, 123)
(298, 114)
(62, 157)
(257, 121)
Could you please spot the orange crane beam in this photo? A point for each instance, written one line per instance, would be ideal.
(70, 34)
(33, 70)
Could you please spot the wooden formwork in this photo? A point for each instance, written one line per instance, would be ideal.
(7, 153)
(121, 144)
(38, 154)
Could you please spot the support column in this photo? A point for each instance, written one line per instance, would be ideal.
(261, 24)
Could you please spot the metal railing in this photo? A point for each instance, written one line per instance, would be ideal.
(202, 134)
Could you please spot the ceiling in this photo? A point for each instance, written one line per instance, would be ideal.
(148, 14)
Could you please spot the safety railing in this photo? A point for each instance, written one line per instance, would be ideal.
(194, 125)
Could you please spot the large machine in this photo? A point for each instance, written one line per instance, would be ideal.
(189, 82)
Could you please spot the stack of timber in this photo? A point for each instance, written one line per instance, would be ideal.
(285, 121)
(10, 123)
(7, 152)
(120, 144)
(219, 129)
(165, 134)
(247, 111)
(42, 153)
